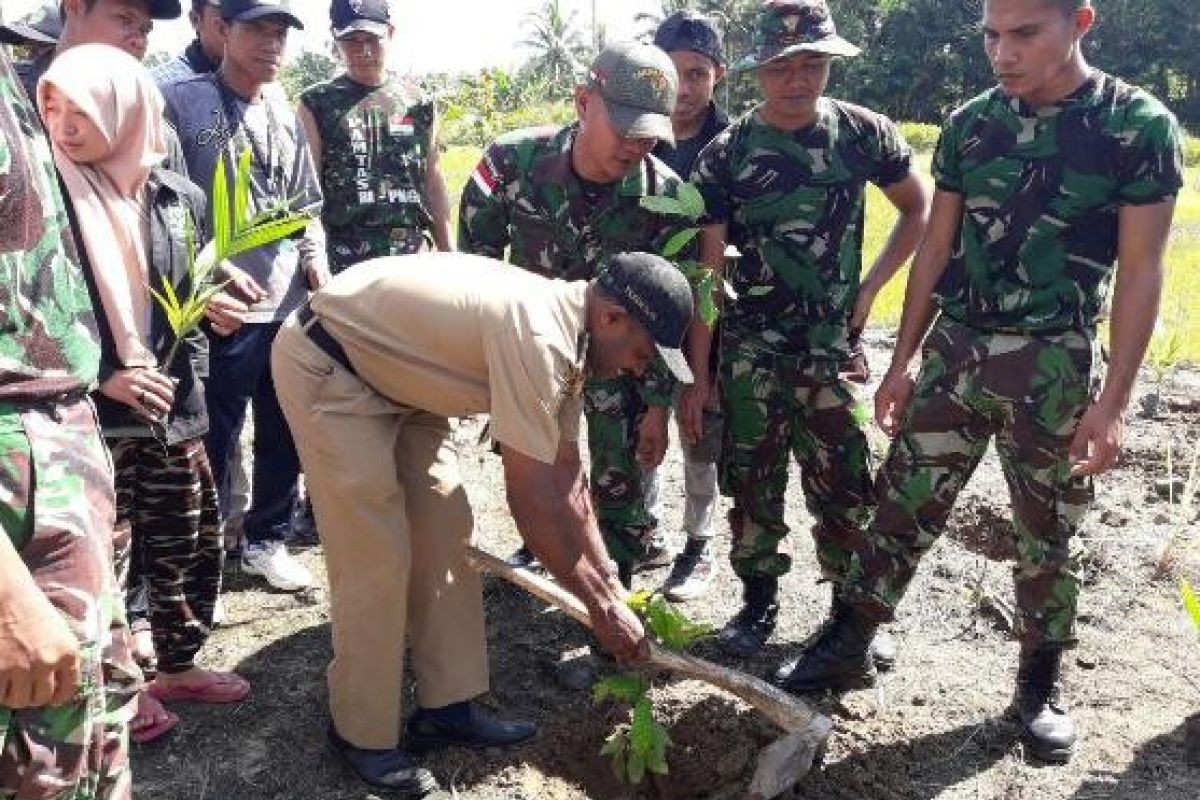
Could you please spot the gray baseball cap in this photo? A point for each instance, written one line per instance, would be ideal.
(638, 84)
(43, 26)
(656, 294)
(369, 16)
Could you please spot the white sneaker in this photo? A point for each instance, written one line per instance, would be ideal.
(273, 561)
(218, 612)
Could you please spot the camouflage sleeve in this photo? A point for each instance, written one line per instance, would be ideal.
(890, 154)
(482, 213)
(659, 385)
(711, 175)
(1150, 166)
(947, 170)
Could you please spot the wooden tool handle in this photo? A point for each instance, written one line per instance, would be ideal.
(788, 712)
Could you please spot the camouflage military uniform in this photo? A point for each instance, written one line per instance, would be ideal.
(374, 142)
(524, 195)
(1012, 354)
(55, 478)
(793, 203)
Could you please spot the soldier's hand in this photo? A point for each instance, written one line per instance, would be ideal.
(692, 402)
(1097, 441)
(39, 655)
(892, 398)
(620, 632)
(862, 307)
(652, 437)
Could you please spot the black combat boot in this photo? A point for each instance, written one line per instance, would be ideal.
(1045, 725)
(748, 631)
(839, 659)
(883, 647)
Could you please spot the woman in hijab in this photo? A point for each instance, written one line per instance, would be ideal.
(104, 116)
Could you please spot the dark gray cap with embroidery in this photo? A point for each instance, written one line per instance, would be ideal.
(638, 84)
(659, 297)
(250, 10)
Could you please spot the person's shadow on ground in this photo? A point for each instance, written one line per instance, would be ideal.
(1154, 773)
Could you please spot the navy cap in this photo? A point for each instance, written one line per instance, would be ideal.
(250, 10)
(656, 294)
(687, 30)
(370, 16)
(43, 26)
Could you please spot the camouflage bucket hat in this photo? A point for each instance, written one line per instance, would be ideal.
(638, 84)
(786, 27)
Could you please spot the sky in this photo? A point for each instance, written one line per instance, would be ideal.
(431, 35)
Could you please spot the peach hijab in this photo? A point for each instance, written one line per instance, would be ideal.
(109, 195)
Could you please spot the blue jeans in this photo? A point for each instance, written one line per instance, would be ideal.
(240, 372)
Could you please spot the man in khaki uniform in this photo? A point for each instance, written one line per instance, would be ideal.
(368, 375)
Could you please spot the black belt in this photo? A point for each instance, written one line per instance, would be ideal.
(316, 333)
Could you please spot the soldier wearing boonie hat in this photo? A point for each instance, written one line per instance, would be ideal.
(786, 184)
(373, 138)
(561, 201)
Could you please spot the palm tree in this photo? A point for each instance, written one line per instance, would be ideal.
(558, 46)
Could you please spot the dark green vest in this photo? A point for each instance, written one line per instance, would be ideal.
(375, 141)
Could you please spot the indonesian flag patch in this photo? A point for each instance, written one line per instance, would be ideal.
(485, 177)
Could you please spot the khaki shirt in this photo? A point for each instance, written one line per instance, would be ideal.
(455, 334)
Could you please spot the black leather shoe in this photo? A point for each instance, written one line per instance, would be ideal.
(393, 769)
(472, 727)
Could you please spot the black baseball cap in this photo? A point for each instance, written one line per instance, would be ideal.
(659, 297)
(370, 16)
(250, 10)
(43, 26)
(687, 30)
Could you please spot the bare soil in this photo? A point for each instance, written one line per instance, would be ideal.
(934, 728)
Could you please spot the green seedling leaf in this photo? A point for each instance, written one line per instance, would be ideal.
(680, 240)
(666, 623)
(648, 740)
(661, 204)
(1190, 602)
(241, 191)
(691, 200)
(616, 748)
(623, 688)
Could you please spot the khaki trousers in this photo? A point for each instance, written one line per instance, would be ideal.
(394, 523)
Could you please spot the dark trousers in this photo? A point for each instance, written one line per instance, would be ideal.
(240, 372)
(165, 498)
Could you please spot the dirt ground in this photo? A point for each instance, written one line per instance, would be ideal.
(934, 728)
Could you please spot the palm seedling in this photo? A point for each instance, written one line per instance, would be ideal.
(235, 231)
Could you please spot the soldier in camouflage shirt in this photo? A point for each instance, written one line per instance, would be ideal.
(565, 200)
(66, 678)
(373, 141)
(1042, 182)
(787, 184)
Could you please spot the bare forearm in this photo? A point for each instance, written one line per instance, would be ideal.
(15, 580)
(930, 262)
(1135, 310)
(904, 238)
(313, 256)
(562, 532)
(439, 208)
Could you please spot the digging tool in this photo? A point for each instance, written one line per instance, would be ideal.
(781, 764)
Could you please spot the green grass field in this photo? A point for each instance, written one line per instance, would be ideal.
(1181, 298)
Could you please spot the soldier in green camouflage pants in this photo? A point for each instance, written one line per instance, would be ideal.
(1043, 182)
(528, 195)
(787, 185)
(67, 681)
